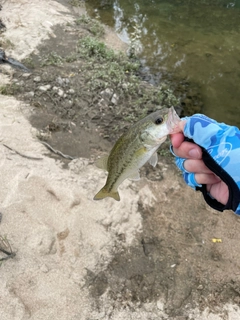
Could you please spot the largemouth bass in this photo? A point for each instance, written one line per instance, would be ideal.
(134, 148)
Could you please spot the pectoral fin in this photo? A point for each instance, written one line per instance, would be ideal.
(102, 162)
(153, 160)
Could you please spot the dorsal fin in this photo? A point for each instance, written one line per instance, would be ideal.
(102, 162)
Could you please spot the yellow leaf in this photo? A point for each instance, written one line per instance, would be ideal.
(216, 240)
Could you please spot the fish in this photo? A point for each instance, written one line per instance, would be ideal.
(135, 148)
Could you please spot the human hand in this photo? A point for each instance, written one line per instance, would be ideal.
(212, 163)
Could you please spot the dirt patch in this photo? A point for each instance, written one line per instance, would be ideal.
(170, 267)
(175, 257)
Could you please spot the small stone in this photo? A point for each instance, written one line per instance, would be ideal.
(20, 83)
(125, 85)
(200, 287)
(160, 305)
(63, 234)
(60, 81)
(107, 94)
(60, 92)
(102, 103)
(115, 99)
(37, 79)
(26, 75)
(55, 88)
(29, 94)
(45, 88)
(71, 91)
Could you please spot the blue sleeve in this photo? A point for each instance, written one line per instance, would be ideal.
(221, 143)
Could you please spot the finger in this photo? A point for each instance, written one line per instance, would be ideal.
(219, 191)
(204, 178)
(177, 139)
(188, 150)
(196, 166)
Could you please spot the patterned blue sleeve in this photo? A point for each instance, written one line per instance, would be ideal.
(220, 141)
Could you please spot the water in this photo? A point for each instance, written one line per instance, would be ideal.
(194, 40)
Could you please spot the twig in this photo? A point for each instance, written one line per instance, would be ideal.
(57, 151)
(20, 154)
(6, 244)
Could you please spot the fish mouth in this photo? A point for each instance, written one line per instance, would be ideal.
(173, 121)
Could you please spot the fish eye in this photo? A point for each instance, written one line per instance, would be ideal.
(159, 120)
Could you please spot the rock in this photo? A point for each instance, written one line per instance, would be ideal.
(29, 94)
(107, 94)
(125, 85)
(102, 103)
(60, 92)
(71, 91)
(160, 305)
(60, 81)
(45, 88)
(115, 99)
(37, 79)
(26, 75)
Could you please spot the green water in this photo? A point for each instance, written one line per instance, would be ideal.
(194, 40)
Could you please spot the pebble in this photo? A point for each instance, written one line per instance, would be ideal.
(59, 80)
(62, 81)
(37, 79)
(29, 94)
(102, 103)
(45, 88)
(26, 75)
(107, 94)
(125, 85)
(160, 305)
(60, 92)
(71, 91)
(115, 99)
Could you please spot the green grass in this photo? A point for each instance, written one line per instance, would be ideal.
(92, 25)
(52, 59)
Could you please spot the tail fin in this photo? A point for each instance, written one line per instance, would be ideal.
(103, 193)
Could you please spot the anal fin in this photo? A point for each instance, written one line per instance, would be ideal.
(134, 176)
(102, 162)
